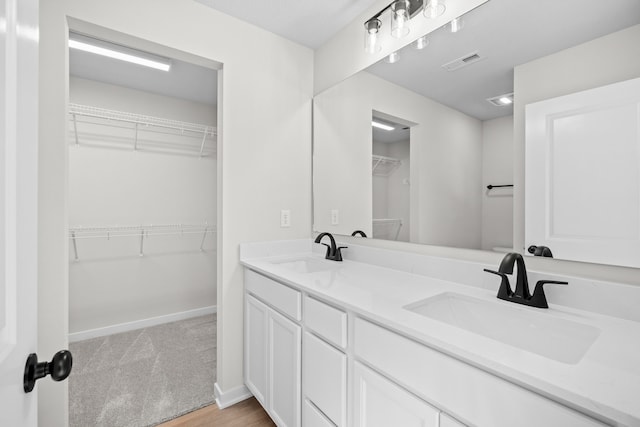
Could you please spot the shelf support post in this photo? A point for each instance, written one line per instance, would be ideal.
(75, 128)
(135, 141)
(75, 246)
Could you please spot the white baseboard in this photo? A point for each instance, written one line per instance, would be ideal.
(139, 324)
(231, 397)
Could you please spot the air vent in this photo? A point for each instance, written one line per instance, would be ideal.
(456, 64)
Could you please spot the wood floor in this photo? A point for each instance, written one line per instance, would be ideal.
(247, 413)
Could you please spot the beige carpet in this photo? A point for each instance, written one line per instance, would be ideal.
(144, 377)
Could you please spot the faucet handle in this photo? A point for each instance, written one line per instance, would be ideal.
(338, 254)
(505, 291)
(539, 299)
(328, 250)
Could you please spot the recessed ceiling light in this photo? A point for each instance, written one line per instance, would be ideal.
(381, 125)
(502, 100)
(110, 50)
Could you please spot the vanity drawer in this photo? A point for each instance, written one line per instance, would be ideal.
(325, 378)
(456, 387)
(281, 297)
(326, 321)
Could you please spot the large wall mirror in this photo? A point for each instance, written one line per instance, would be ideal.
(422, 150)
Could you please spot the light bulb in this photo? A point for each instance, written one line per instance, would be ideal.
(456, 24)
(434, 8)
(421, 43)
(392, 58)
(371, 39)
(400, 18)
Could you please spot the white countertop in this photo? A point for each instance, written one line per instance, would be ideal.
(605, 383)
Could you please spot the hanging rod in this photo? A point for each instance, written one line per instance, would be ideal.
(489, 187)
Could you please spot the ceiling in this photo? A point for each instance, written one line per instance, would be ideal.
(505, 33)
(308, 22)
(183, 80)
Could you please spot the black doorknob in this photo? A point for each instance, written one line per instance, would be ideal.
(59, 368)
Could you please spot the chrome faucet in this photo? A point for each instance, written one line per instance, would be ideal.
(333, 252)
(521, 294)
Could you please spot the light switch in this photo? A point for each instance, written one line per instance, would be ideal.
(285, 218)
(335, 219)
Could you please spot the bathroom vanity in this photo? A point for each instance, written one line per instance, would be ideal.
(390, 338)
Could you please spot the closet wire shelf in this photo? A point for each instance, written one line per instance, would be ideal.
(139, 131)
(139, 231)
(383, 166)
(388, 223)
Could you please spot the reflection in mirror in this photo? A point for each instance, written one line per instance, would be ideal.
(458, 93)
(390, 170)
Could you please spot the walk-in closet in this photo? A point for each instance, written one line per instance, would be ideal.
(142, 235)
(391, 179)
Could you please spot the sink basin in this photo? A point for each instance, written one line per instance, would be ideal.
(308, 265)
(535, 331)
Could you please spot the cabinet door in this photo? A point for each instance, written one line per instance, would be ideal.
(380, 403)
(447, 421)
(255, 348)
(325, 378)
(284, 370)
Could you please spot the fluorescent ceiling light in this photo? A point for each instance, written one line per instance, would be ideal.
(99, 47)
(505, 100)
(381, 125)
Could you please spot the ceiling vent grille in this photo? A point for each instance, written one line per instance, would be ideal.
(468, 59)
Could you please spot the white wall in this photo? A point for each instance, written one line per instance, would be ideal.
(497, 169)
(445, 161)
(266, 89)
(110, 283)
(599, 62)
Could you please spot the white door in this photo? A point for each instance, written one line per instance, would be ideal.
(285, 345)
(255, 348)
(582, 177)
(18, 203)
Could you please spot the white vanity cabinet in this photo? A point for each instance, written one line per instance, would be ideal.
(314, 363)
(273, 343)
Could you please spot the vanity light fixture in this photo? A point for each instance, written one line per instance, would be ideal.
(400, 18)
(371, 39)
(392, 58)
(434, 8)
(401, 13)
(122, 53)
(381, 126)
(421, 43)
(502, 100)
(456, 24)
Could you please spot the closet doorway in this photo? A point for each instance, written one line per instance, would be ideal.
(390, 181)
(142, 170)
